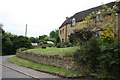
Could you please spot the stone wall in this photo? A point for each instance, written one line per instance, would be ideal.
(51, 60)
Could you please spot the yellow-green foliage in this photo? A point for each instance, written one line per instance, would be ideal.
(107, 34)
(107, 24)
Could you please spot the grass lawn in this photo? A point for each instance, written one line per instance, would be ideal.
(35, 66)
(56, 51)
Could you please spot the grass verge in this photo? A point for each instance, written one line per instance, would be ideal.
(44, 68)
(69, 51)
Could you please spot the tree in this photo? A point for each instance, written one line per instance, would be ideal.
(52, 34)
(7, 47)
(34, 40)
(55, 36)
(10, 43)
(1, 25)
(21, 42)
(42, 37)
(81, 37)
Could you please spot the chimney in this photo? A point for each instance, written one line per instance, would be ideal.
(67, 18)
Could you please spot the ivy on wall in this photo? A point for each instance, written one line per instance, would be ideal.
(102, 21)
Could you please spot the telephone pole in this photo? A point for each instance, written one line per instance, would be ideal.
(26, 30)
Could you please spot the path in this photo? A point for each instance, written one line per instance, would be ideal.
(22, 70)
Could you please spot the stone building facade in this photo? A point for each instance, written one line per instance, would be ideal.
(77, 21)
(118, 25)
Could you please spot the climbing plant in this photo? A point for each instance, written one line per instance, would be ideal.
(98, 52)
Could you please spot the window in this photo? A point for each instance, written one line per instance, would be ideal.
(62, 40)
(99, 17)
(73, 22)
(98, 34)
(63, 31)
(60, 31)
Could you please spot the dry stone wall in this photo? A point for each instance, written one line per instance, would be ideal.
(50, 60)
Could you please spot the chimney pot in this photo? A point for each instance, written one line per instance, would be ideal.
(67, 18)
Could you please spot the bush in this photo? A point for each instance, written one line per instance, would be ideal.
(110, 58)
(103, 57)
(41, 43)
(105, 77)
(67, 44)
(62, 45)
(107, 35)
(50, 45)
(59, 45)
(81, 36)
(22, 49)
(88, 54)
(44, 42)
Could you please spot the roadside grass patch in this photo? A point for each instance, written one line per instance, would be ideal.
(69, 51)
(35, 66)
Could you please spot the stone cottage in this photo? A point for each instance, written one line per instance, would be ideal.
(76, 21)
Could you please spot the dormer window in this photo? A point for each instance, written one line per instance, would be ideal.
(99, 17)
(73, 22)
(114, 6)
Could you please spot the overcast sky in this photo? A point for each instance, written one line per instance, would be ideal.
(42, 16)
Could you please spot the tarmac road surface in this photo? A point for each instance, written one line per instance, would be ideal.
(10, 70)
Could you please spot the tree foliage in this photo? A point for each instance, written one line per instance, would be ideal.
(34, 39)
(102, 53)
(55, 35)
(52, 34)
(10, 43)
(81, 36)
(88, 54)
(42, 37)
(100, 56)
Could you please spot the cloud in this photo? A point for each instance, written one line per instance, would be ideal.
(42, 16)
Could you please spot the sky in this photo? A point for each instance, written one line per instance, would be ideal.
(41, 16)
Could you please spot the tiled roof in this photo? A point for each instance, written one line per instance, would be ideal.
(81, 15)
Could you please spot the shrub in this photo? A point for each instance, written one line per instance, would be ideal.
(50, 45)
(44, 42)
(88, 54)
(22, 49)
(81, 36)
(41, 43)
(107, 35)
(62, 45)
(110, 58)
(67, 44)
(59, 45)
(103, 57)
(105, 76)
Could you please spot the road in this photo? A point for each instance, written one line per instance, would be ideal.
(10, 70)
(9, 73)
(15, 72)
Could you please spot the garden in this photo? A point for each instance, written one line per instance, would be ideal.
(69, 51)
(94, 48)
